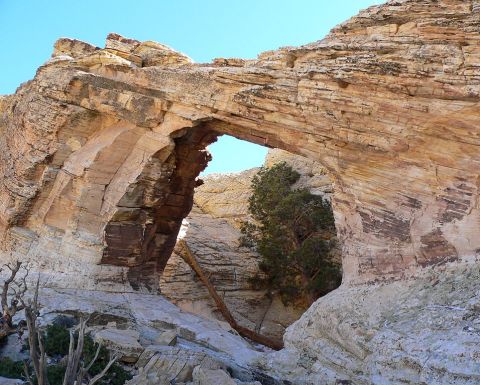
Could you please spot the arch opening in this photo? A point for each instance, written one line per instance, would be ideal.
(212, 232)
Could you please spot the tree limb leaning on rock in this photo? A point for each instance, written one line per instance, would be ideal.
(190, 259)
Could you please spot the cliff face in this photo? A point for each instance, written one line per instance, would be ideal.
(212, 233)
(101, 150)
(419, 331)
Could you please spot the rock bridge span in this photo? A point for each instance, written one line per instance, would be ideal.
(102, 149)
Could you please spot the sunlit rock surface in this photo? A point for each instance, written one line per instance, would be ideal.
(132, 324)
(423, 331)
(101, 150)
(212, 232)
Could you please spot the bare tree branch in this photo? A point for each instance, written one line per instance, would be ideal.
(6, 286)
(69, 358)
(94, 358)
(84, 370)
(14, 288)
(27, 373)
(190, 259)
(104, 371)
(75, 356)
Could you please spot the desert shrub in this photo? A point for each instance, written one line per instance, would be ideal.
(55, 374)
(57, 341)
(117, 376)
(294, 233)
(10, 368)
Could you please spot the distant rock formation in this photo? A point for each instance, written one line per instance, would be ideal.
(212, 232)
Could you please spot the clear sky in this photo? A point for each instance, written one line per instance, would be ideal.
(203, 29)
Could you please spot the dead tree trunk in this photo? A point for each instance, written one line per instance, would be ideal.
(12, 293)
(12, 301)
(38, 357)
(190, 259)
(76, 370)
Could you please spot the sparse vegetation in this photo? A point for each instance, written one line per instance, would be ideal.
(58, 356)
(10, 368)
(57, 341)
(294, 232)
(116, 375)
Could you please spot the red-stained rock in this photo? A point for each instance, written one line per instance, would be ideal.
(388, 103)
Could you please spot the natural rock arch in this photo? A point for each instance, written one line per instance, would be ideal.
(100, 151)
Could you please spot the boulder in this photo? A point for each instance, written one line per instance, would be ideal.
(121, 341)
(172, 364)
(203, 376)
(168, 338)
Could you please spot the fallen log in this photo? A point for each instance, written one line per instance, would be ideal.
(190, 259)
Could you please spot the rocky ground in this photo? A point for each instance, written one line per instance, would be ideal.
(161, 343)
(423, 331)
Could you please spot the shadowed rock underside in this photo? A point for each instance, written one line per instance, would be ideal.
(101, 150)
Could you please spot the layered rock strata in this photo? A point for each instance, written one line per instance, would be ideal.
(212, 232)
(424, 331)
(101, 150)
(135, 325)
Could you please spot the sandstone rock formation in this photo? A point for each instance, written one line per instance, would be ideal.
(212, 232)
(215, 377)
(123, 341)
(423, 331)
(134, 325)
(215, 245)
(101, 150)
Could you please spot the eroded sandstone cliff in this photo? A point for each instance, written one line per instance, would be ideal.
(212, 231)
(101, 150)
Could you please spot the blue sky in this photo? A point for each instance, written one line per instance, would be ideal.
(201, 29)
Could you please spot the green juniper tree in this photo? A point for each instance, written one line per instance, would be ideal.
(294, 233)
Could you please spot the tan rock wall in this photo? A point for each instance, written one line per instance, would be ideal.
(387, 103)
(212, 232)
